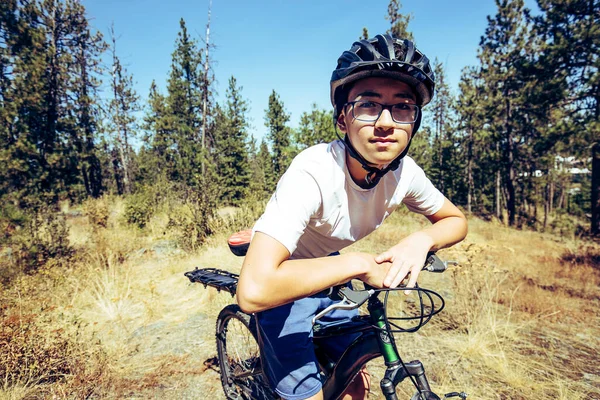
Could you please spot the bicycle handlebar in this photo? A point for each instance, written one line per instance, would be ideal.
(352, 299)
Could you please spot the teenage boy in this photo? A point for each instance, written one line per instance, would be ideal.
(335, 194)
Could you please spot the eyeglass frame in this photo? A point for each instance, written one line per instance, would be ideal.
(384, 107)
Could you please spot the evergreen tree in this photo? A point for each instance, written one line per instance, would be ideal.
(279, 134)
(184, 103)
(315, 127)
(122, 106)
(231, 143)
(441, 110)
(421, 149)
(398, 21)
(365, 34)
(260, 163)
(470, 124)
(88, 49)
(158, 151)
(48, 146)
(502, 49)
(265, 160)
(569, 64)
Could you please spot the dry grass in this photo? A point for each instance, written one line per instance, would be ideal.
(521, 320)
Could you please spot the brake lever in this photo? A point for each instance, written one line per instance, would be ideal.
(351, 299)
(435, 264)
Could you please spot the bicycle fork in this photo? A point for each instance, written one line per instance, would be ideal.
(397, 371)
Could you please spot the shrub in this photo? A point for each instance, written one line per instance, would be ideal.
(31, 353)
(244, 217)
(96, 210)
(192, 218)
(563, 224)
(11, 218)
(139, 208)
(43, 238)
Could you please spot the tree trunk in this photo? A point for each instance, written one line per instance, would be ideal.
(124, 166)
(551, 195)
(117, 172)
(595, 204)
(498, 194)
(535, 203)
(510, 169)
(470, 172)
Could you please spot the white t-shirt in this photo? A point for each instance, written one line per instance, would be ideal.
(317, 208)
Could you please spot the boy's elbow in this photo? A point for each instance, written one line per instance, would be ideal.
(249, 299)
(465, 227)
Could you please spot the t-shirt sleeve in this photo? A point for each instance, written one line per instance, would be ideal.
(422, 197)
(296, 200)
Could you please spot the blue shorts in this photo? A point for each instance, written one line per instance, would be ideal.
(286, 333)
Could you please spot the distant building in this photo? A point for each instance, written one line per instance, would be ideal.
(571, 165)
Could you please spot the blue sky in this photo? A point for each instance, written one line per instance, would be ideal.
(287, 46)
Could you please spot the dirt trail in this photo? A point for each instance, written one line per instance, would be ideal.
(169, 350)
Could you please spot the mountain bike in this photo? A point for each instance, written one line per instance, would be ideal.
(238, 339)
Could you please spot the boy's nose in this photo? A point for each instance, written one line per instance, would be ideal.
(385, 120)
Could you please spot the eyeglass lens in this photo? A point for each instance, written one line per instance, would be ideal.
(370, 111)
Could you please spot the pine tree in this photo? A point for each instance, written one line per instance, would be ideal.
(184, 102)
(569, 62)
(365, 34)
(502, 49)
(441, 109)
(279, 134)
(260, 161)
(398, 21)
(122, 108)
(158, 151)
(421, 150)
(265, 160)
(315, 127)
(231, 149)
(48, 151)
(88, 48)
(470, 124)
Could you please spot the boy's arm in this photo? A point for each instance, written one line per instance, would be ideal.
(449, 226)
(268, 279)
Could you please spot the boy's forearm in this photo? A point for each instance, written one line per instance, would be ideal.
(447, 232)
(296, 279)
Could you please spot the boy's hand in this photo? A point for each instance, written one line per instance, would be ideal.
(406, 257)
(374, 272)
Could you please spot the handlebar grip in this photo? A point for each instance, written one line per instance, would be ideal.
(434, 264)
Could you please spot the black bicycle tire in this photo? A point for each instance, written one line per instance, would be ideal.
(254, 386)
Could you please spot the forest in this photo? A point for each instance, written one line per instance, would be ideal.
(504, 147)
(106, 199)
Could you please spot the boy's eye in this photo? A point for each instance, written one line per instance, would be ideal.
(402, 107)
(367, 104)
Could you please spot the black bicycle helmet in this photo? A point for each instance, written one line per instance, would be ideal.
(381, 56)
(384, 56)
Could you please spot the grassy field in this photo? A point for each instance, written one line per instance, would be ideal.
(522, 317)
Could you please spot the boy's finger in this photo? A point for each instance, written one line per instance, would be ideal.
(383, 257)
(399, 274)
(412, 281)
(393, 272)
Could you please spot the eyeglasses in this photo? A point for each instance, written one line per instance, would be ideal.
(370, 111)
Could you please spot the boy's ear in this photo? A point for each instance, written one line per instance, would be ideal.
(341, 122)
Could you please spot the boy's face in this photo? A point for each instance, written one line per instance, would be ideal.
(379, 142)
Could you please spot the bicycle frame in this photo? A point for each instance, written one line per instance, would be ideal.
(370, 344)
